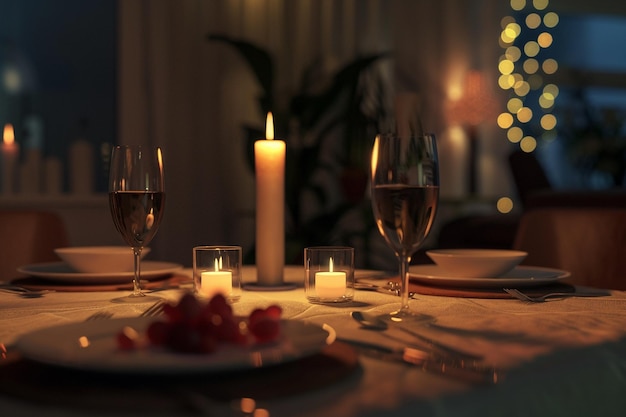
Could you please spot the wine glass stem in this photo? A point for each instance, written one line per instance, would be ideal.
(137, 277)
(404, 280)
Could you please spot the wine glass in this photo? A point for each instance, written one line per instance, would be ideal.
(405, 194)
(136, 200)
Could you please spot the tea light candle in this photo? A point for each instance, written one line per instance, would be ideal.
(269, 158)
(213, 282)
(10, 151)
(330, 284)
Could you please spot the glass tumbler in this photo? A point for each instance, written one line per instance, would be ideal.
(329, 274)
(217, 269)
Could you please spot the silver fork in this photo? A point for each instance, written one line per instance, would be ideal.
(154, 310)
(541, 298)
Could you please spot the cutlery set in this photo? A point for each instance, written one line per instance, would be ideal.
(432, 357)
(556, 295)
(469, 371)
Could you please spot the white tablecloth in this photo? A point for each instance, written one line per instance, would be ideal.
(561, 358)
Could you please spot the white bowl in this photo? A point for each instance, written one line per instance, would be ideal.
(99, 259)
(476, 263)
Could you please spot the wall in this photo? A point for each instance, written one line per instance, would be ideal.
(192, 97)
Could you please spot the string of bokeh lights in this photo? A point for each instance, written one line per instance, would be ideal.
(523, 67)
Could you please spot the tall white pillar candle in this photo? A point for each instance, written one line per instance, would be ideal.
(10, 151)
(269, 157)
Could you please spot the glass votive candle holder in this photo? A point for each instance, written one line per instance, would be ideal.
(329, 274)
(217, 269)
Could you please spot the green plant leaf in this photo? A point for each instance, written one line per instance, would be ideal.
(310, 109)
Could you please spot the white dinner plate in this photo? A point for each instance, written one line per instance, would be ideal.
(61, 272)
(520, 276)
(59, 346)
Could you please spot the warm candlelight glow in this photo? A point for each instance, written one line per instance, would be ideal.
(269, 127)
(9, 155)
(269, 165)
(9, 135)
(375, 155)
(218, 281)
(330, 285)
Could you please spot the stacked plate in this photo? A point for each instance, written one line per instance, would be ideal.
(484, 268)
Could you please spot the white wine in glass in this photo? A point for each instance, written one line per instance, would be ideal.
(405, 195)
(136, 200)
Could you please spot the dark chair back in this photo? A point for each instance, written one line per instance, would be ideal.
(528, 175)
(588, 242)
(28, 236)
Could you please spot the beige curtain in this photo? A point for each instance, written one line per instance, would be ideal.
(191, 96)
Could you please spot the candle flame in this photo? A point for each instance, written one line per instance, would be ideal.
(330, 265)
(8, 136)
(269, 127)
(160, 159)
(218, 264)
(375, 155)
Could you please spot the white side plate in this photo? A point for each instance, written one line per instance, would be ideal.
(60, 346)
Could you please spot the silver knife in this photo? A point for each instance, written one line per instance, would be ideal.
(469, 371)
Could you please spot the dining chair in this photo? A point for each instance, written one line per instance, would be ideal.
(528, 175)
(27, 237)
(588, 242)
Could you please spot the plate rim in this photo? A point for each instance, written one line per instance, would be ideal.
(492, 282)
(180, 363)
(104, 277)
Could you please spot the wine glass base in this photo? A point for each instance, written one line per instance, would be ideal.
(406, 315)
(136, 298)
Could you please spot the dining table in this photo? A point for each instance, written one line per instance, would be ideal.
(562, 357)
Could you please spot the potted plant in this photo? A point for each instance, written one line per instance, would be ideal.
(348, 109)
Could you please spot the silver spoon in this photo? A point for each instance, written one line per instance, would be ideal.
(372, 322)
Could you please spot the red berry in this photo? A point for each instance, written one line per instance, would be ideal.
(183, 337)
(158, 332)
(274, 311)
(219, 305)
(172, 312)
(189, 306)
(226, 329)
(265, 330)
(256, 315)
(207, 339)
